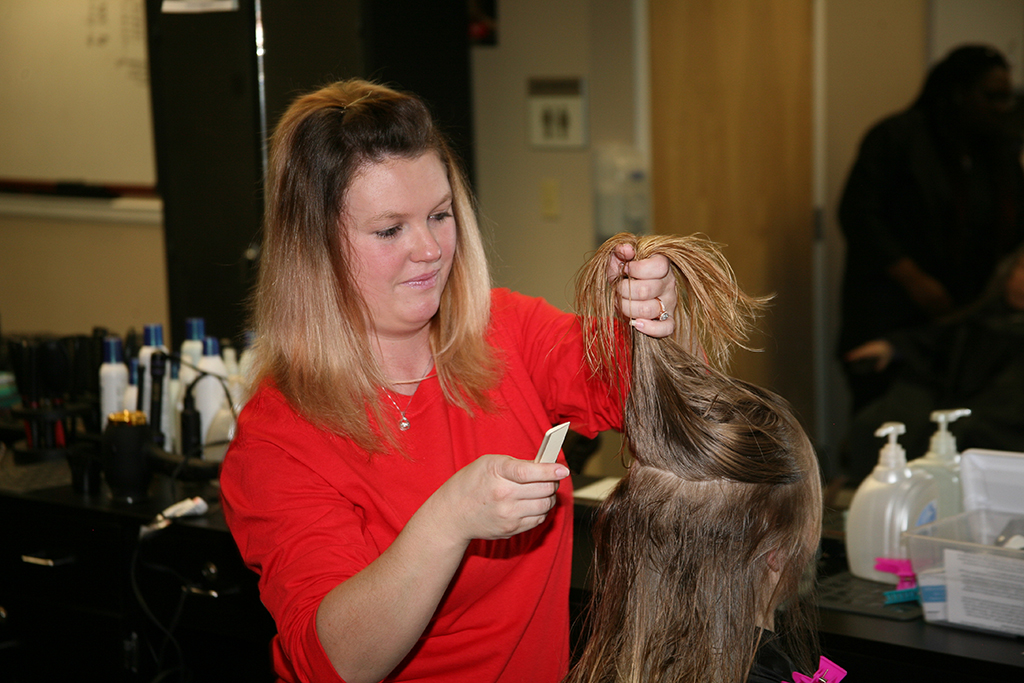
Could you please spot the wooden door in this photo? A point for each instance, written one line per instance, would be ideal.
(731, 128)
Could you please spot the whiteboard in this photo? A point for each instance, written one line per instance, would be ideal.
(74, 92)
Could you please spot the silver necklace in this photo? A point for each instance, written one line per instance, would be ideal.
(403, 423)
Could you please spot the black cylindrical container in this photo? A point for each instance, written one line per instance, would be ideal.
(126, 466)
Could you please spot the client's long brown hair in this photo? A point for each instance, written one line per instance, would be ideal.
(723, 488)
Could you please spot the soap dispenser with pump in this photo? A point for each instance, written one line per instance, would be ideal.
(892, 499)
(942, 461)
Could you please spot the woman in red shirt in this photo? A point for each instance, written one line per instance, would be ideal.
(381, 478)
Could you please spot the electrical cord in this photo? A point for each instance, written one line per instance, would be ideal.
(192, 440)
(185, 675)
(179, 468)
(187, 507)
(189, 465)
(206, 373)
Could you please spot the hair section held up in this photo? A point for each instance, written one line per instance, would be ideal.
(718, 517)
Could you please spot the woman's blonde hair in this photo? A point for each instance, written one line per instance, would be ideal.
(724, 486)
(313, 336)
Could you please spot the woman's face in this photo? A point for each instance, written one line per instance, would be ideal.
(401, 238)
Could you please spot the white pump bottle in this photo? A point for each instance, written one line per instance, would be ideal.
(942, 461)
(891, 500)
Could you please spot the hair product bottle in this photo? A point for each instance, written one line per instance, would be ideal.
(232, 362)
(219, 435)
(131, 392)
(891, 500)
(942, 461)
(113, 380)
(209, 391)
(192, 349)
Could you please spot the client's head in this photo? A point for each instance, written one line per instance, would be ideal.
(714, 524)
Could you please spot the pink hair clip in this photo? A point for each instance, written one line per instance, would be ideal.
(901, 568)
(828, 672)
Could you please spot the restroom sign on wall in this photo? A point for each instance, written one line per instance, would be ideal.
(557, 113)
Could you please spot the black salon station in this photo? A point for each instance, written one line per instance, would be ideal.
(82, 597)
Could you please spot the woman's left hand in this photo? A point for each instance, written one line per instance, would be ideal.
(646, 293)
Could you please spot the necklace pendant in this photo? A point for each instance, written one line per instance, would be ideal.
(404, 423)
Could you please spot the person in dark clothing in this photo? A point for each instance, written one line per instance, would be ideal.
(973, 359)
(934, 200)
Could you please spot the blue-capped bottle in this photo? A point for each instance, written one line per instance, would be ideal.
(192, 349)
(113, 379)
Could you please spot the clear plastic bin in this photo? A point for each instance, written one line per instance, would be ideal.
(966, 580)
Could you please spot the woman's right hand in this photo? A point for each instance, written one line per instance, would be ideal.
(497, 496)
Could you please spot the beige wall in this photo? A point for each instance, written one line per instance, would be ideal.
(67, 275)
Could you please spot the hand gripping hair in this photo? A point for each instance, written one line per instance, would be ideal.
(718, 516)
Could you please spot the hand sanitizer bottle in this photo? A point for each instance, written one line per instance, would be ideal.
(942, 461)
(891, 500)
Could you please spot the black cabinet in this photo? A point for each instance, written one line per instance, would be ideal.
(60, 592)
(82, 596)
